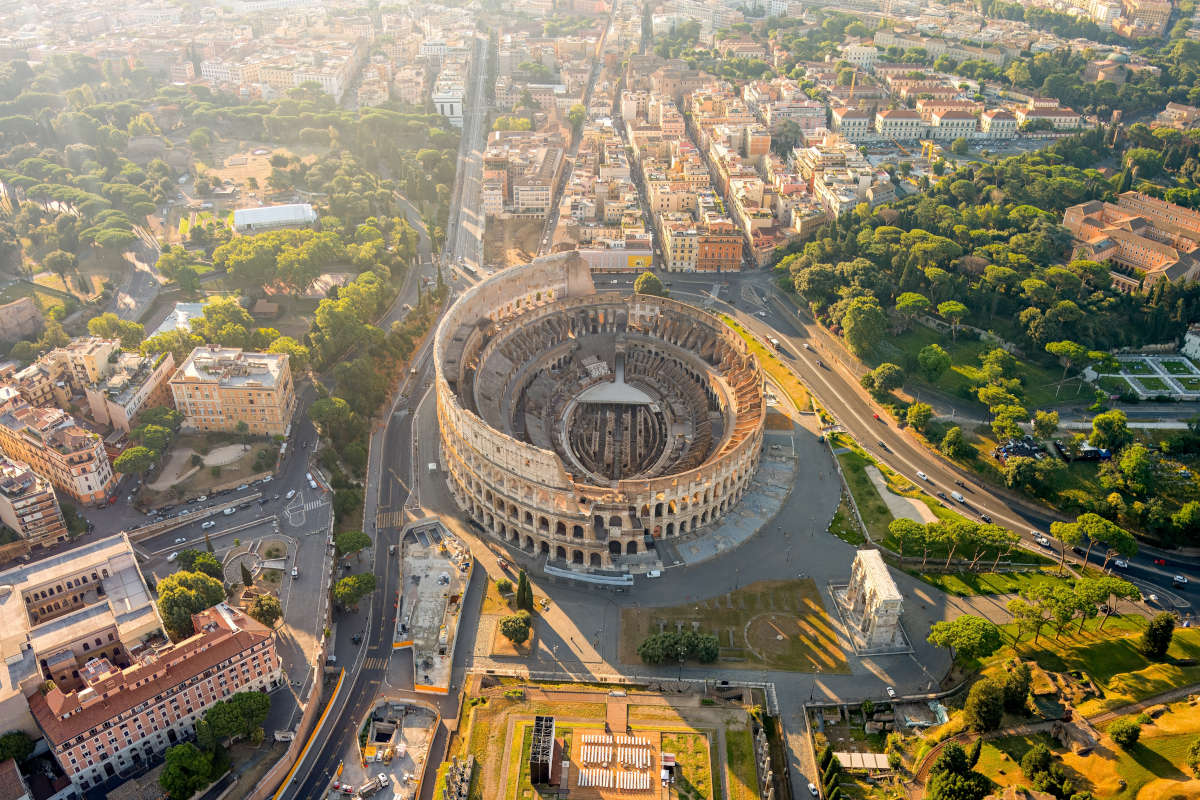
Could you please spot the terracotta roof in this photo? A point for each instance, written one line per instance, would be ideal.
(11, 785)
(999, 113)
(954, 115)
(898, 113)
(190, 657)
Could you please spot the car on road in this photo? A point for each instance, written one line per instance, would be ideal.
(891, 692)
(383, 779)
(1041, 540)
(1120, 563)
(201, 498)
(812, 789)
(942, 496)
(807, 346)
(312, 484)
(882, 445)
(958, 497)
(229, 511)
(243, 487)
(209, 524)
(291, 493)
(1162, 562)
(923, 476)
(356, 638)
(173, 556)
(1179, 580)
(180, 540)
(986, 518)
(820, 363)
(295, 572)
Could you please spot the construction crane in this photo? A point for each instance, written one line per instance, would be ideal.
(927, 149)
(902, 148)
(853, 80)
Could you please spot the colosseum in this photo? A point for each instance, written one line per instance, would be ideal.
(581, 425)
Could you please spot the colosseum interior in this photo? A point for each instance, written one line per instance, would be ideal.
(582, 425)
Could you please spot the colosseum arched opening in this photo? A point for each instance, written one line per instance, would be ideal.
(582, 425)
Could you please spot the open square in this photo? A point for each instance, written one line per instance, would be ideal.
(777, 624)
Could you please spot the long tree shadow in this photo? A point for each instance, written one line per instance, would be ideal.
(1156, 764)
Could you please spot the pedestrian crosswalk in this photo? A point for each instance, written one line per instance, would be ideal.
(313, 505)
(375, 662)
(389, 519)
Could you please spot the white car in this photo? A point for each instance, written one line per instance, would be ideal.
(229, 511)
(180, 540)
(922, 476)
(812, 789)
(891, 692)
(201, 498)
(383, 779)
(1042, 540)
(1179, 580)
(312, 484)
(173, 556)
(295, 572)
(291, 493)
(243, 487)
(1120, 563)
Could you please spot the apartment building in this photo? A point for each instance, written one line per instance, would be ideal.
(60, 611)
(126, 709)
(29, 506)
(950, 125)
(718, 246)
(56, 447)
(1149, 241)
(87, 359)
(521, 171)
(998, 124)
(899, 123)
(136, 382)
(852, 124)
(1061, 119)
(218, 387)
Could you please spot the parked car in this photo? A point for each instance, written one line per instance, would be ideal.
(173, 556)
(812, 789)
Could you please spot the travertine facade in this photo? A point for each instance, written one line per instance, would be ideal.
(873, 603)
(577, 423)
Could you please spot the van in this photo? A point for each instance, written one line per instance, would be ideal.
(654, 573)
(958, 497)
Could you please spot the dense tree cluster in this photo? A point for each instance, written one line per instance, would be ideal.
(668, 646)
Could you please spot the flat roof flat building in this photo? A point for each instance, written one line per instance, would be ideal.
(218, 387)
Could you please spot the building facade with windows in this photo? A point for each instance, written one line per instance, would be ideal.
(115, 717)
(218, 387)
(59, 449)
(29, 506)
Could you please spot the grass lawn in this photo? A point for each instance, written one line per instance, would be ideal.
(1111, 658)
(1191, 384)
(1153, 384)
(776, 624)
(1110, 773)
(1113, 384)
(739, 753)
(779, 372)
(44, 300)
(1039, 383)
(1177, 367)
(1136, 367)
(693, 773)
(967, 584)
(845, 527)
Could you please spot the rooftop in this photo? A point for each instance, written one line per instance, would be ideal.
(266, 216)
(231, 367)
(436, 572)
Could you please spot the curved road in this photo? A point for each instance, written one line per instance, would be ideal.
(838, 390)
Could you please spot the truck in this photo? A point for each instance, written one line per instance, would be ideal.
(369, 788)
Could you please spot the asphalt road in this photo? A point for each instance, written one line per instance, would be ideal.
(826, 369)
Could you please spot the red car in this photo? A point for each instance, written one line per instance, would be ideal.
(1162, 562)
(876, 416)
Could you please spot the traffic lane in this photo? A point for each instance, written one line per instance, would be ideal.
(978, 499)
(854, 412)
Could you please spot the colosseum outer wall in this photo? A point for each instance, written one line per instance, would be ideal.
(523, 494)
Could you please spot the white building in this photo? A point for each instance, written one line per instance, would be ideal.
(998, 124)
(862, 56)
(951, 125)
(900, 124)
(853, 124)
(268, 218)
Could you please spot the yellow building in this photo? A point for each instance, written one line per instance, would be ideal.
(218, 387)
